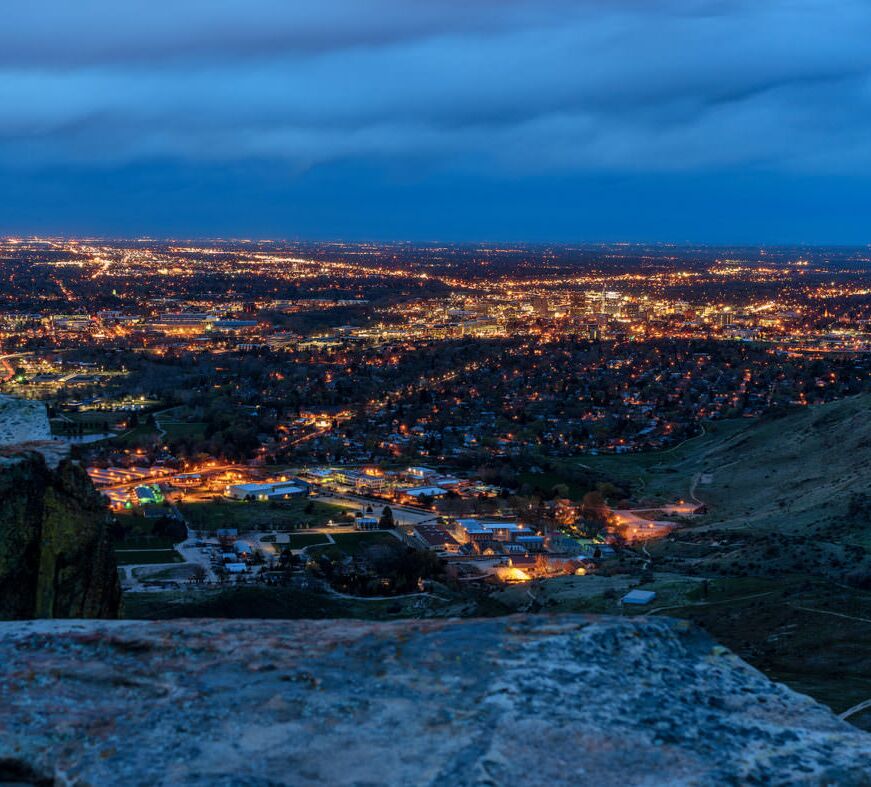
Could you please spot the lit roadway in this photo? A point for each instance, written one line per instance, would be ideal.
(10, 370)
(310, 436)
(168, 477)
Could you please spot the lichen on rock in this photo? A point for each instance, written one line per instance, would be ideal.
(531, 700)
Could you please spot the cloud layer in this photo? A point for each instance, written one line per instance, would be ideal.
(512, 87)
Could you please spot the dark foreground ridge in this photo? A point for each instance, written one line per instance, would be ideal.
(537, 700)
(55, 557)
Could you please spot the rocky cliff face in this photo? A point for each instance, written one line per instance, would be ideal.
(522, 700)
(55, 556)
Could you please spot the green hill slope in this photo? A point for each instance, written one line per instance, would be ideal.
(808, 472)
(779, 568)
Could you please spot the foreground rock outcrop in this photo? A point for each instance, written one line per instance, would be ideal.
(22, 421)
(55, 555)
(529, 700)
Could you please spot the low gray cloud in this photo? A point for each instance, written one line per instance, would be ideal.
(514, 86)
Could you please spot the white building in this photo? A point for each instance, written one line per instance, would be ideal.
(280, 491)
(638, 597)
(467, 530)
(417, 492)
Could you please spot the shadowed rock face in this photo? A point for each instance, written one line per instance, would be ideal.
(529, 700)
(55, 555)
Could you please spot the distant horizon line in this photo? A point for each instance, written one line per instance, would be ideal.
(683, 244)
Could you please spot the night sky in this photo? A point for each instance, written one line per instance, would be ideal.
(520, 120)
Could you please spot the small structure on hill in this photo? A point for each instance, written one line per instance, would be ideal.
(637, 596)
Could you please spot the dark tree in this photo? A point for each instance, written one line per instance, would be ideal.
(386, 522)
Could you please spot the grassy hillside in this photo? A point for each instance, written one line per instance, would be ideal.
(787, 495)
(252, 516)
(785, 548)
(796, 473)
(664, 475)
(806, 473)
(779, 568)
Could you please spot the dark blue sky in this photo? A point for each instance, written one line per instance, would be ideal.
(538, 120)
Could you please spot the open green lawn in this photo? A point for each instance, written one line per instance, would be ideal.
(135, 524)
(303, 540)
(245, 517)
(181, 571)
(134, 437)
(91, 423)
(132, 557)
(145, 542)
(140, 533)
(355, 543)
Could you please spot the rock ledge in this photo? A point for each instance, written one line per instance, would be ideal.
(532, 700)
(22, 421)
